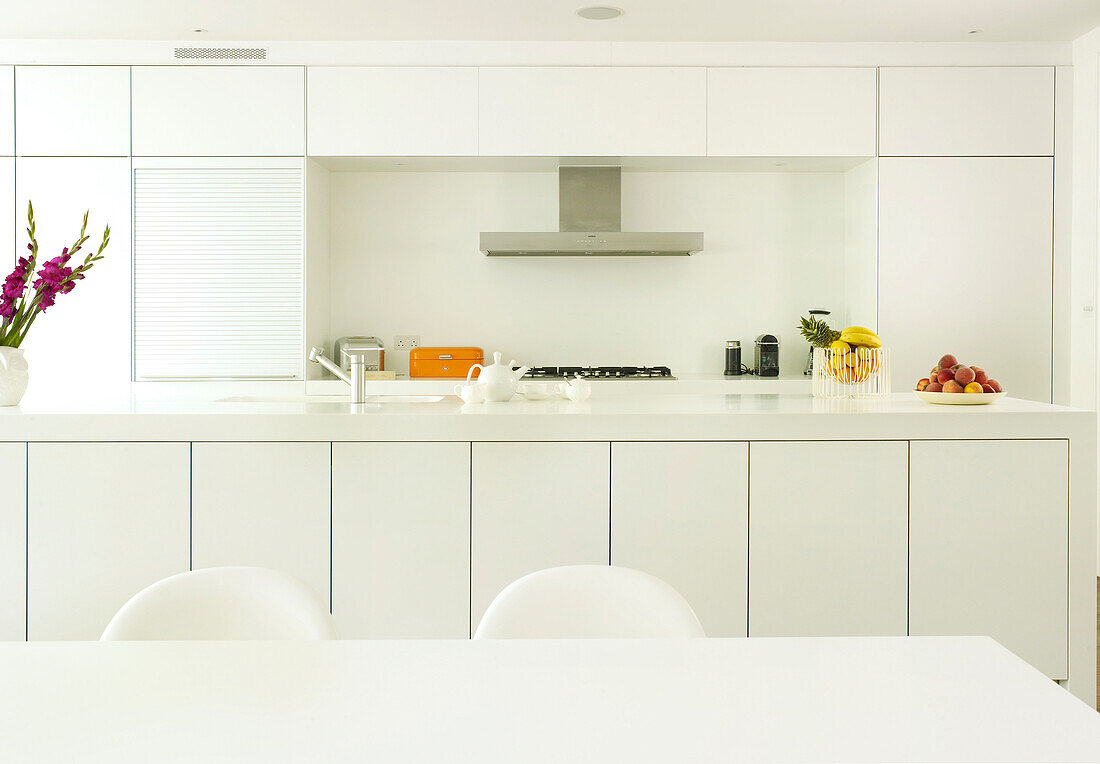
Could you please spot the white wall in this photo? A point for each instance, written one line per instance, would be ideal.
(405, 260)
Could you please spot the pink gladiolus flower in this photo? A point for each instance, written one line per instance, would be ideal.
(52, 280)
(14, 285)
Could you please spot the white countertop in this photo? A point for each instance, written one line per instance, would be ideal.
(273, 414)
(926, 699)
(682, 384)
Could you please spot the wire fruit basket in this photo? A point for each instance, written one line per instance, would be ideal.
(857, 373)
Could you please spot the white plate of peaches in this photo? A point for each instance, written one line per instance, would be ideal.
(954, 383)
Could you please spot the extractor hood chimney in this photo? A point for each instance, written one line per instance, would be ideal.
(590, 223)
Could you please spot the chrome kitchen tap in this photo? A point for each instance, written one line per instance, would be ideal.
(356, 375)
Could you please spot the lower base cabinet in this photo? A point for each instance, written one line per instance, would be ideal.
(104, 520)
(988, 546)
(401, 540)
(263, 504)
(13, 542)
(679, 511)
(827, 538)
(535, 506)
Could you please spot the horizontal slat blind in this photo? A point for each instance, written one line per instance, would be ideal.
(218, 273)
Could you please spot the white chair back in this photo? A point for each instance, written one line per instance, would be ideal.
(586, 602)
(223, 603)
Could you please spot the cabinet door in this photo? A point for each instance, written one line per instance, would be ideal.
(218, 111)
(392, 111)
(827, 539)
(988, 544)
(8, 214)
(680, 512)
(592, 111)
(791, 111)
(536, 506)
(401, 540)
(7, 111)
(263, 504)
(13, 542)
(87, 332)
(104, 520)
(73, 110)
(966, 111)
(966, 267)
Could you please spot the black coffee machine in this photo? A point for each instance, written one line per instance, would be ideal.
(767, 355)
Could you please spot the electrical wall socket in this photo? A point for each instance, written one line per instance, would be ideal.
(406, 342)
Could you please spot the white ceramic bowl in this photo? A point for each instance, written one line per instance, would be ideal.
(534, 391)
(959, 399)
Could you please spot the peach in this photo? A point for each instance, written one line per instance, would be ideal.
(948, 361)
(973, 387)
(988, 389)
(945, 376)
(995, 385)
(934, 387)
(964, 375)
(951, 386)
(934, 373)
(980, 375)
(922, 383)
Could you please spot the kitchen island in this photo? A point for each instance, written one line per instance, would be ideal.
(775, 515)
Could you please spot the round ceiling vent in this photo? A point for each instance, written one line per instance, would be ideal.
(599, 12)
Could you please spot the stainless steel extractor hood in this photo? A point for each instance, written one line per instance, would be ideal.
(589, 223)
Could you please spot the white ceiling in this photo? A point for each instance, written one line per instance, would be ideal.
(663, 20)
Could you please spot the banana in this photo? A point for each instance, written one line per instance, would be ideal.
(860, 336)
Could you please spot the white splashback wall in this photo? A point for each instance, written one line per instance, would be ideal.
(405, 260)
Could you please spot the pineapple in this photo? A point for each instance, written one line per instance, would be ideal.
(818, 333)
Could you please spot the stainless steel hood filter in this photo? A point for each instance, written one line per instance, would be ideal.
(589, 223)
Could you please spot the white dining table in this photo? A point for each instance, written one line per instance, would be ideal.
(926, 699)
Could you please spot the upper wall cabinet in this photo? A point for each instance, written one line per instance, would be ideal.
(966, 111)
(218, 111)
(393, 111)
(790, 112)
(592, 111)
(7, 108)
(72, 110)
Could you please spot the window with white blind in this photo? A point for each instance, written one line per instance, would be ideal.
(218, 272)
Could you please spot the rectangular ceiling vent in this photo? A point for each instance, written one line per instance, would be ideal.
(221, 54)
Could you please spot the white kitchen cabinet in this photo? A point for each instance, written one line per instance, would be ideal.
(827, 538)
(392, 111)
(8, 214)
(535, 506)
(679, 511)
(988, 544)
(7, 110)
(263, 504)
(104, 520)
(966, 267)
(72, 110)
(966, 111)
(401, 540)
(792, 111)
(218, 111)
(13, 542)
(592, 111)
(85, 336)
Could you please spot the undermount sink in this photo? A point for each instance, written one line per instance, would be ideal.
(331, 399)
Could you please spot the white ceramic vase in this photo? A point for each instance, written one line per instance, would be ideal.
(13, 376)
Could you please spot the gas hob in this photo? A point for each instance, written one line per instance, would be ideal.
(599, 372)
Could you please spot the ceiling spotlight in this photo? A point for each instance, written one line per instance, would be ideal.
(599, 12)
(199, 31)
(975, 31)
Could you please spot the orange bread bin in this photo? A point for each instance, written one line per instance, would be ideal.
(443, 362)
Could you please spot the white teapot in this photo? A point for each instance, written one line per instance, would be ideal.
(499, 379)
